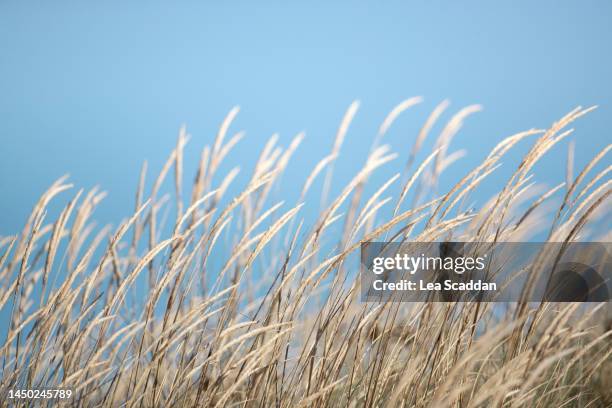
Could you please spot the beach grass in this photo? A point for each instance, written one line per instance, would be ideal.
(210, 294)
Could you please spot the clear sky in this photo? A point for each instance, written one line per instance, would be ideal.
(94, 88)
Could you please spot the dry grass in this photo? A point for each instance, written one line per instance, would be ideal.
(240, 302)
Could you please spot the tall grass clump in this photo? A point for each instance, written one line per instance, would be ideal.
(217, 295)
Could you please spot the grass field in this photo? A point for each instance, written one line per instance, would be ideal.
(205, 299)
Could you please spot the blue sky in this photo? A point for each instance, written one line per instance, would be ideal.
(93, 89)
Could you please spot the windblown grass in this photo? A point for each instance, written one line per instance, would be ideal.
(240, 302)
